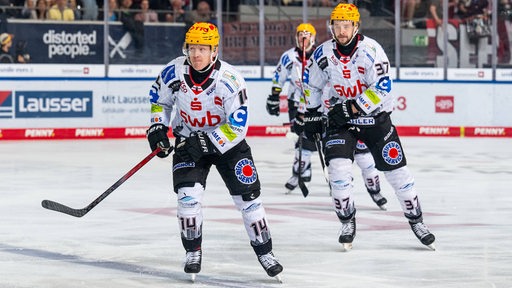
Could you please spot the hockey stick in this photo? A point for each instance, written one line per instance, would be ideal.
(318, 144)
(302, 186)
(55, 206)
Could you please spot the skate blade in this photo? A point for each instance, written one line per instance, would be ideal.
(383, 208)
(432, 247)
(279, 279)
(346, 247)
(288, 192)
(193, 277)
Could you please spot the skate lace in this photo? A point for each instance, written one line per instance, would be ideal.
(420, 229)
(347, 228)
(268, 260)
(193, 257)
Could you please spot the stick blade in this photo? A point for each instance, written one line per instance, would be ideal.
(55, 206)
(303, 188)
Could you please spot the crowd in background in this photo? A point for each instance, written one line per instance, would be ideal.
(413, 12)
(188, 11)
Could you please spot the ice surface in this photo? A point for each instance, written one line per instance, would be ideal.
(131, 239)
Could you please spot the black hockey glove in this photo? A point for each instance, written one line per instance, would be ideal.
(195, 147)
(341, 113)
(157, 137)
(273, 102)
(298, 124)
(313, 120)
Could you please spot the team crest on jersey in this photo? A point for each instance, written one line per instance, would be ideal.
(239, 117)
(392, 153)
(245, 171)
(384, 84)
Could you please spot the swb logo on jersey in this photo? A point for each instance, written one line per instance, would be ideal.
(245, 171)
(392, 153)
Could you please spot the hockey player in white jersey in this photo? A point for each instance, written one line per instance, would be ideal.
(290, 67)
(208, 97)
(356, 69)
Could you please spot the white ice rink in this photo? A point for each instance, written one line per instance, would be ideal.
(131, 239)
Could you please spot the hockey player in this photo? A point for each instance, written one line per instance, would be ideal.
(291, 67)
(210, 103)
(356, 69)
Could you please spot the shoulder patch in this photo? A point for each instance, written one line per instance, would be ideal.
(323, 63)
(168, 73)
(231, 78)
(285, 60)
(174, 85)
(319, 52)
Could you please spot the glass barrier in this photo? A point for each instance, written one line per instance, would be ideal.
(434, 36)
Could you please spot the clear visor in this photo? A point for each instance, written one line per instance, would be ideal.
(304, 34)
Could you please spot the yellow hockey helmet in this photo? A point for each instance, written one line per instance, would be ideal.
(346, 12)
(203, 33)
(308, 28)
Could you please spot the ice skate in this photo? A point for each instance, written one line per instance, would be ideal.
(293, 182)
(423, 234)
(272, 267)
(347, 233)
(193, 264)
(378, 199)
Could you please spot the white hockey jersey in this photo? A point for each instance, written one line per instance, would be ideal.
(289, 66)
(217, 106)
(363, 75)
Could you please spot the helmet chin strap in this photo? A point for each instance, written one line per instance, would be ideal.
(351, 39)
(213, 59)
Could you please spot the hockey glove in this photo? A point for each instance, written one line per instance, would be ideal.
(313, 120)
(298, 124)
(273, 102)
(195, 147)
(341, 113)
(157, 137)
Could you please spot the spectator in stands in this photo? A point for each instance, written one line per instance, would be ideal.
(29, 10)
(6, 44)
(146, 14)
(475, 14)
(135, 27)
(471, 8)
(504, 14)
(316, 3)
(89, 10)
(77, 9)
(178, 13)
(112, 10)
(41, 10)
(203, 13)
(436, 11)
(408, 9)
(61, 12)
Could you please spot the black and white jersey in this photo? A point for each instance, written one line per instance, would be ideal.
(363, 75)
(217, 106)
